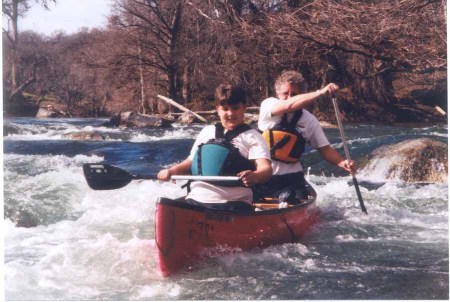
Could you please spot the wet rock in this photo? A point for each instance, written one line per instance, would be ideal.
(328, 125)
(113, 122)
(44, 113)
(11, 129)
(251, 118)
(49, 112)
(417, 160)
(136, 120)
(21, 218)
(84, 135)
(188, 118)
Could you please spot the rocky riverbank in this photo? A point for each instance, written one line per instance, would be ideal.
(400, 112)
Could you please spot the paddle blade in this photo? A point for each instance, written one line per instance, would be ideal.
(358, 193)
(105, 177)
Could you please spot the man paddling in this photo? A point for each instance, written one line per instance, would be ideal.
(287, 127)
(228, 148)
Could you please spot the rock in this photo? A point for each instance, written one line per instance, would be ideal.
(188, 118)
(11, 129)
(49, 112)
(23, 219)
(328, 125)
(137, 120)
(251, 118)
(416, 160)
(44, 113)
(113, 122)
(84, 135)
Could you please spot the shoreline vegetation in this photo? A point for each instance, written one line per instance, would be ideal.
(396, 114)
(389, 58)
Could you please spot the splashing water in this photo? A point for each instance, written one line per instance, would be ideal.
(64, 241)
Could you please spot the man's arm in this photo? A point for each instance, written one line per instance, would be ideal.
(301, 101)
(332, 156)
(261, 175)
(183, 168)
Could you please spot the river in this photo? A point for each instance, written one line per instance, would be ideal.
(65, 241)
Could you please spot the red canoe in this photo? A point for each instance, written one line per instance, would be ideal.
(185, 233)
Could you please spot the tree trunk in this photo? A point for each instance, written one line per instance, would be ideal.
(186, 92)
(370, 85)
(173, 66)
(144, 104)
(14, 44)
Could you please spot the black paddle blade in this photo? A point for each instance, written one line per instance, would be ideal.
(358, 193)
(105, 177)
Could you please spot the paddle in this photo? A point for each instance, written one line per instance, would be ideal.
(107, 177)
(347, 154)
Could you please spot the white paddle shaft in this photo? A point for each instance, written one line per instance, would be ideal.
(204, 178)
(341, 129)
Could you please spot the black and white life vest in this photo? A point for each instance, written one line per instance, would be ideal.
(219, 157)
(285, 143)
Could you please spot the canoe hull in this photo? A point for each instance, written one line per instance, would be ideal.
(186, 233)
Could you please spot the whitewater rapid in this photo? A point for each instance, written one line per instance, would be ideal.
(79, 244)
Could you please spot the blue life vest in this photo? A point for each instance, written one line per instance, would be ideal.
(219, 157)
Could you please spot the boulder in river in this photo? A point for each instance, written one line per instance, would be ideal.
(188, 118)
(251, 118)
(84, 135)
(9, 128)
(49, 112)
(137, 120)
(416, 160)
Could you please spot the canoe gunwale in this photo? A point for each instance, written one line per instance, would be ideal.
(179, 203)
(183, 205)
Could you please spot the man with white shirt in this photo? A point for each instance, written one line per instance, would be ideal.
(287, 127)
(228, 148)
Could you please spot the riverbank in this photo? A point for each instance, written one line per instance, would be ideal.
(403, 111)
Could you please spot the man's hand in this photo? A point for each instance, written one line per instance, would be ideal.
(330, 88)
(349, 166)
(248, 178)
(164, 175)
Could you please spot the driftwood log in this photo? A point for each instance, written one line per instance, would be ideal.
(184, 109)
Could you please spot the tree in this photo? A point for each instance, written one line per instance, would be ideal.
(13, 9)
(155, 28)
(372, 42)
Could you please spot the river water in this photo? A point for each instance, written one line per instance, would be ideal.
(64, 241)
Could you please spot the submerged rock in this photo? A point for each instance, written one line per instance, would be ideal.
(137, 120)
(416, 160)
(84, 135)
(11, 129)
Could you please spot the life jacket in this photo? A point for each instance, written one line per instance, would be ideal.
(285, 143)
(219, 157)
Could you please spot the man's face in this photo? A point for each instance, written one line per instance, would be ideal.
(287, 91)
(231, 116)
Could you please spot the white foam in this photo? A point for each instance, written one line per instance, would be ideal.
(167, 135)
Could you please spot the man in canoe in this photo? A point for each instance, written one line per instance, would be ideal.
(229, 148)
(287, 127)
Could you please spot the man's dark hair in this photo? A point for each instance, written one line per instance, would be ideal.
(230, 95)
